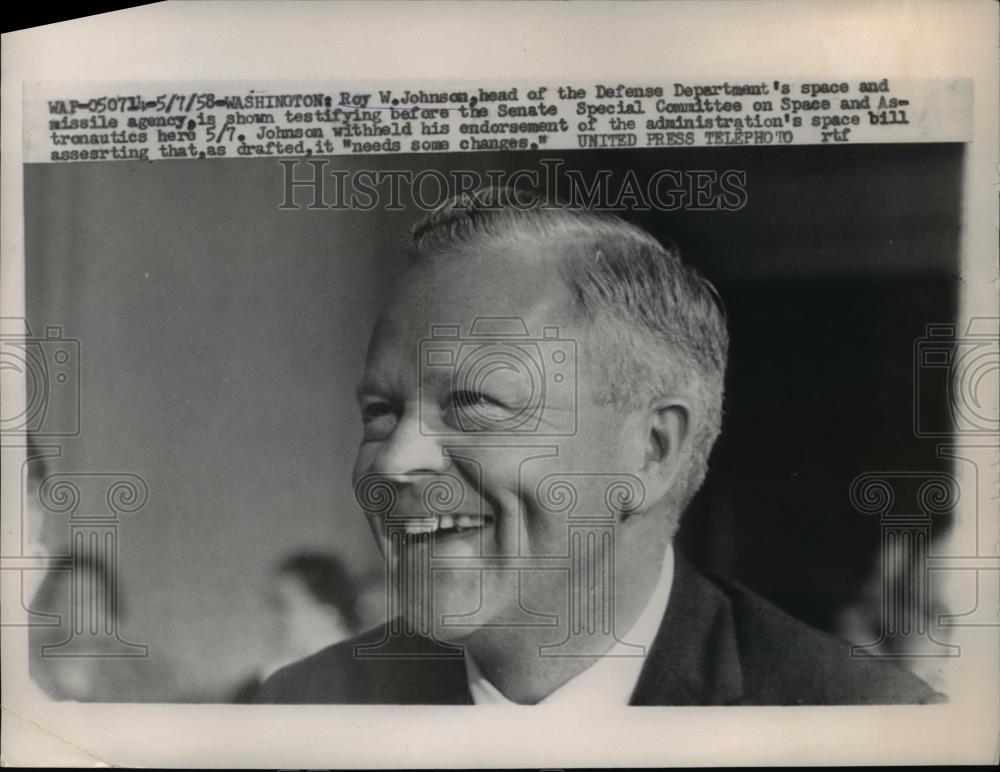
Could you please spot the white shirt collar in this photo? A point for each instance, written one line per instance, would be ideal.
(611, 679)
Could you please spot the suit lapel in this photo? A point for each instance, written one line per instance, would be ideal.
(694, 659)
(396, 668)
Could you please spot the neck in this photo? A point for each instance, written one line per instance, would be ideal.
(513, 658)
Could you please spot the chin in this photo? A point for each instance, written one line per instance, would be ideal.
(457, 594)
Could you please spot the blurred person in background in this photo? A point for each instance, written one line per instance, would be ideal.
(105, 668)
(862, 621)
(93, 662)
(313, 604)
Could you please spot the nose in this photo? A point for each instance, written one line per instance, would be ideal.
(411, 450)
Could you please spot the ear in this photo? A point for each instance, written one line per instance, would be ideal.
(665, 434)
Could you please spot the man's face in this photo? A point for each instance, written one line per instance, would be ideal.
(474, 442)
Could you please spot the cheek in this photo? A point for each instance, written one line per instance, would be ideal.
(582, 483)
(546, 533)
(491, 473)
(377, 526)
(364, 459)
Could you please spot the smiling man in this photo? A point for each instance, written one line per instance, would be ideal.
(541, 395)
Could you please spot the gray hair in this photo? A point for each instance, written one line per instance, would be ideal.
(662, 325)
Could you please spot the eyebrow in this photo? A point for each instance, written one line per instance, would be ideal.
(375, 384)
(364, 387)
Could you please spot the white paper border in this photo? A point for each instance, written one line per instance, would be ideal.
(382, 42)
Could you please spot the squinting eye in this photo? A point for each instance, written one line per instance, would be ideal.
(379, 419)
(474, 400)
(375, 410)
(475, 411)
(470, 399)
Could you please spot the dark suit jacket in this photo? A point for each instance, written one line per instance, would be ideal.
(718, 644)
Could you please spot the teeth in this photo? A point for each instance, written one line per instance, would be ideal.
(421, 526)
(445, 523)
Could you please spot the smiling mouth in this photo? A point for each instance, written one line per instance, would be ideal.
(443, 526)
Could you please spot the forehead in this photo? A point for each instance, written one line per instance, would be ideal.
(491, 283)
